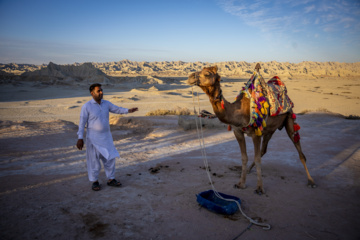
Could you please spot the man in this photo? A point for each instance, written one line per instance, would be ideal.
(99, 142)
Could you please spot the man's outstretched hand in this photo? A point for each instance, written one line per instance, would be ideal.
(80, 144)
(131, 110)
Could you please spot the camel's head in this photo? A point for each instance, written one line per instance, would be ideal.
(205, 78)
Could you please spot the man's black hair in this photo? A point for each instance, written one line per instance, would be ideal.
(94, 86)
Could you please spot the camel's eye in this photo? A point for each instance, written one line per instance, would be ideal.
(207, 74)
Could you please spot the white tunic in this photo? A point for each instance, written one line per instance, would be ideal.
(96, 117)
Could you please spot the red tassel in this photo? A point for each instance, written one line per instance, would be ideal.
(293, 116)
(296, 137)
(229, 127)
(222, 104)
(296, 127)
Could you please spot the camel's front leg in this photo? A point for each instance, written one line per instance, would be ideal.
(244, 158)
(266, 139)
(257, 142)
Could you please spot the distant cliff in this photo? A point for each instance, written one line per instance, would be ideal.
(102, 72)
(66, 74)
(232, 69)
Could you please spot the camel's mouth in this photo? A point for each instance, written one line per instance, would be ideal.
(194, 79)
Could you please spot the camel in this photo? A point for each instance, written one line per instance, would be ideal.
(237, 114)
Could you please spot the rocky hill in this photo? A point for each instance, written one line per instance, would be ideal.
(232, 69)
(18, 69)
(67, 74)
(103, 72)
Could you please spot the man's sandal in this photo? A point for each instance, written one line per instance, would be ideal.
(114, 183)
(96, 186)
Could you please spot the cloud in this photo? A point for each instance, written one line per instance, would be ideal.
(309, 8)
(296, 16)
(254, 14)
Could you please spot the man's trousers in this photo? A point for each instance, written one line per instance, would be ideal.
(93, 158)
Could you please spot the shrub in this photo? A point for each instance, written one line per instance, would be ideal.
(175, 111)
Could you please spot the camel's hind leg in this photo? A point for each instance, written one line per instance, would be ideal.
(290, 131)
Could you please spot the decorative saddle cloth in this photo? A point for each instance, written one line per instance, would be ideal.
(278, 99)
(265, 97)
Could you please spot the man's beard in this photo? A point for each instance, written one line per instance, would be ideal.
(98, 98)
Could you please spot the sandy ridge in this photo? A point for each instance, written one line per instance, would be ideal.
(104, 71)
(232, 68)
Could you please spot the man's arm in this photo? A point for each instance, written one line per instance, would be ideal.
(119, 110)
(82, 123)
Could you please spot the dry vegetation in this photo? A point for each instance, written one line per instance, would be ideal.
(175, 111)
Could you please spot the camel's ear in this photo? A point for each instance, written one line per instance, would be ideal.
(214, 69)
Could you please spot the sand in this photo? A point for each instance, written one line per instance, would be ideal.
(45, 192)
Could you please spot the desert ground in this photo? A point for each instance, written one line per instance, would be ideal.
(45, 192)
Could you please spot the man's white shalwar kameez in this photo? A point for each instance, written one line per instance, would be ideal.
(99, 141)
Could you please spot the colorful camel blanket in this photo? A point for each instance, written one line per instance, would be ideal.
(260, 93)
(278, 99)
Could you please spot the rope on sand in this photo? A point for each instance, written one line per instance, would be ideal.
(206, 164)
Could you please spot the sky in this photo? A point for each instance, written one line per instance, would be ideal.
(69, 31)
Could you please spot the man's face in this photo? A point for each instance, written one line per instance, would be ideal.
(97, 94)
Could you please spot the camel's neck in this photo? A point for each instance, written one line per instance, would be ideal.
(217, 101)
(217, 96)
(237, 113)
